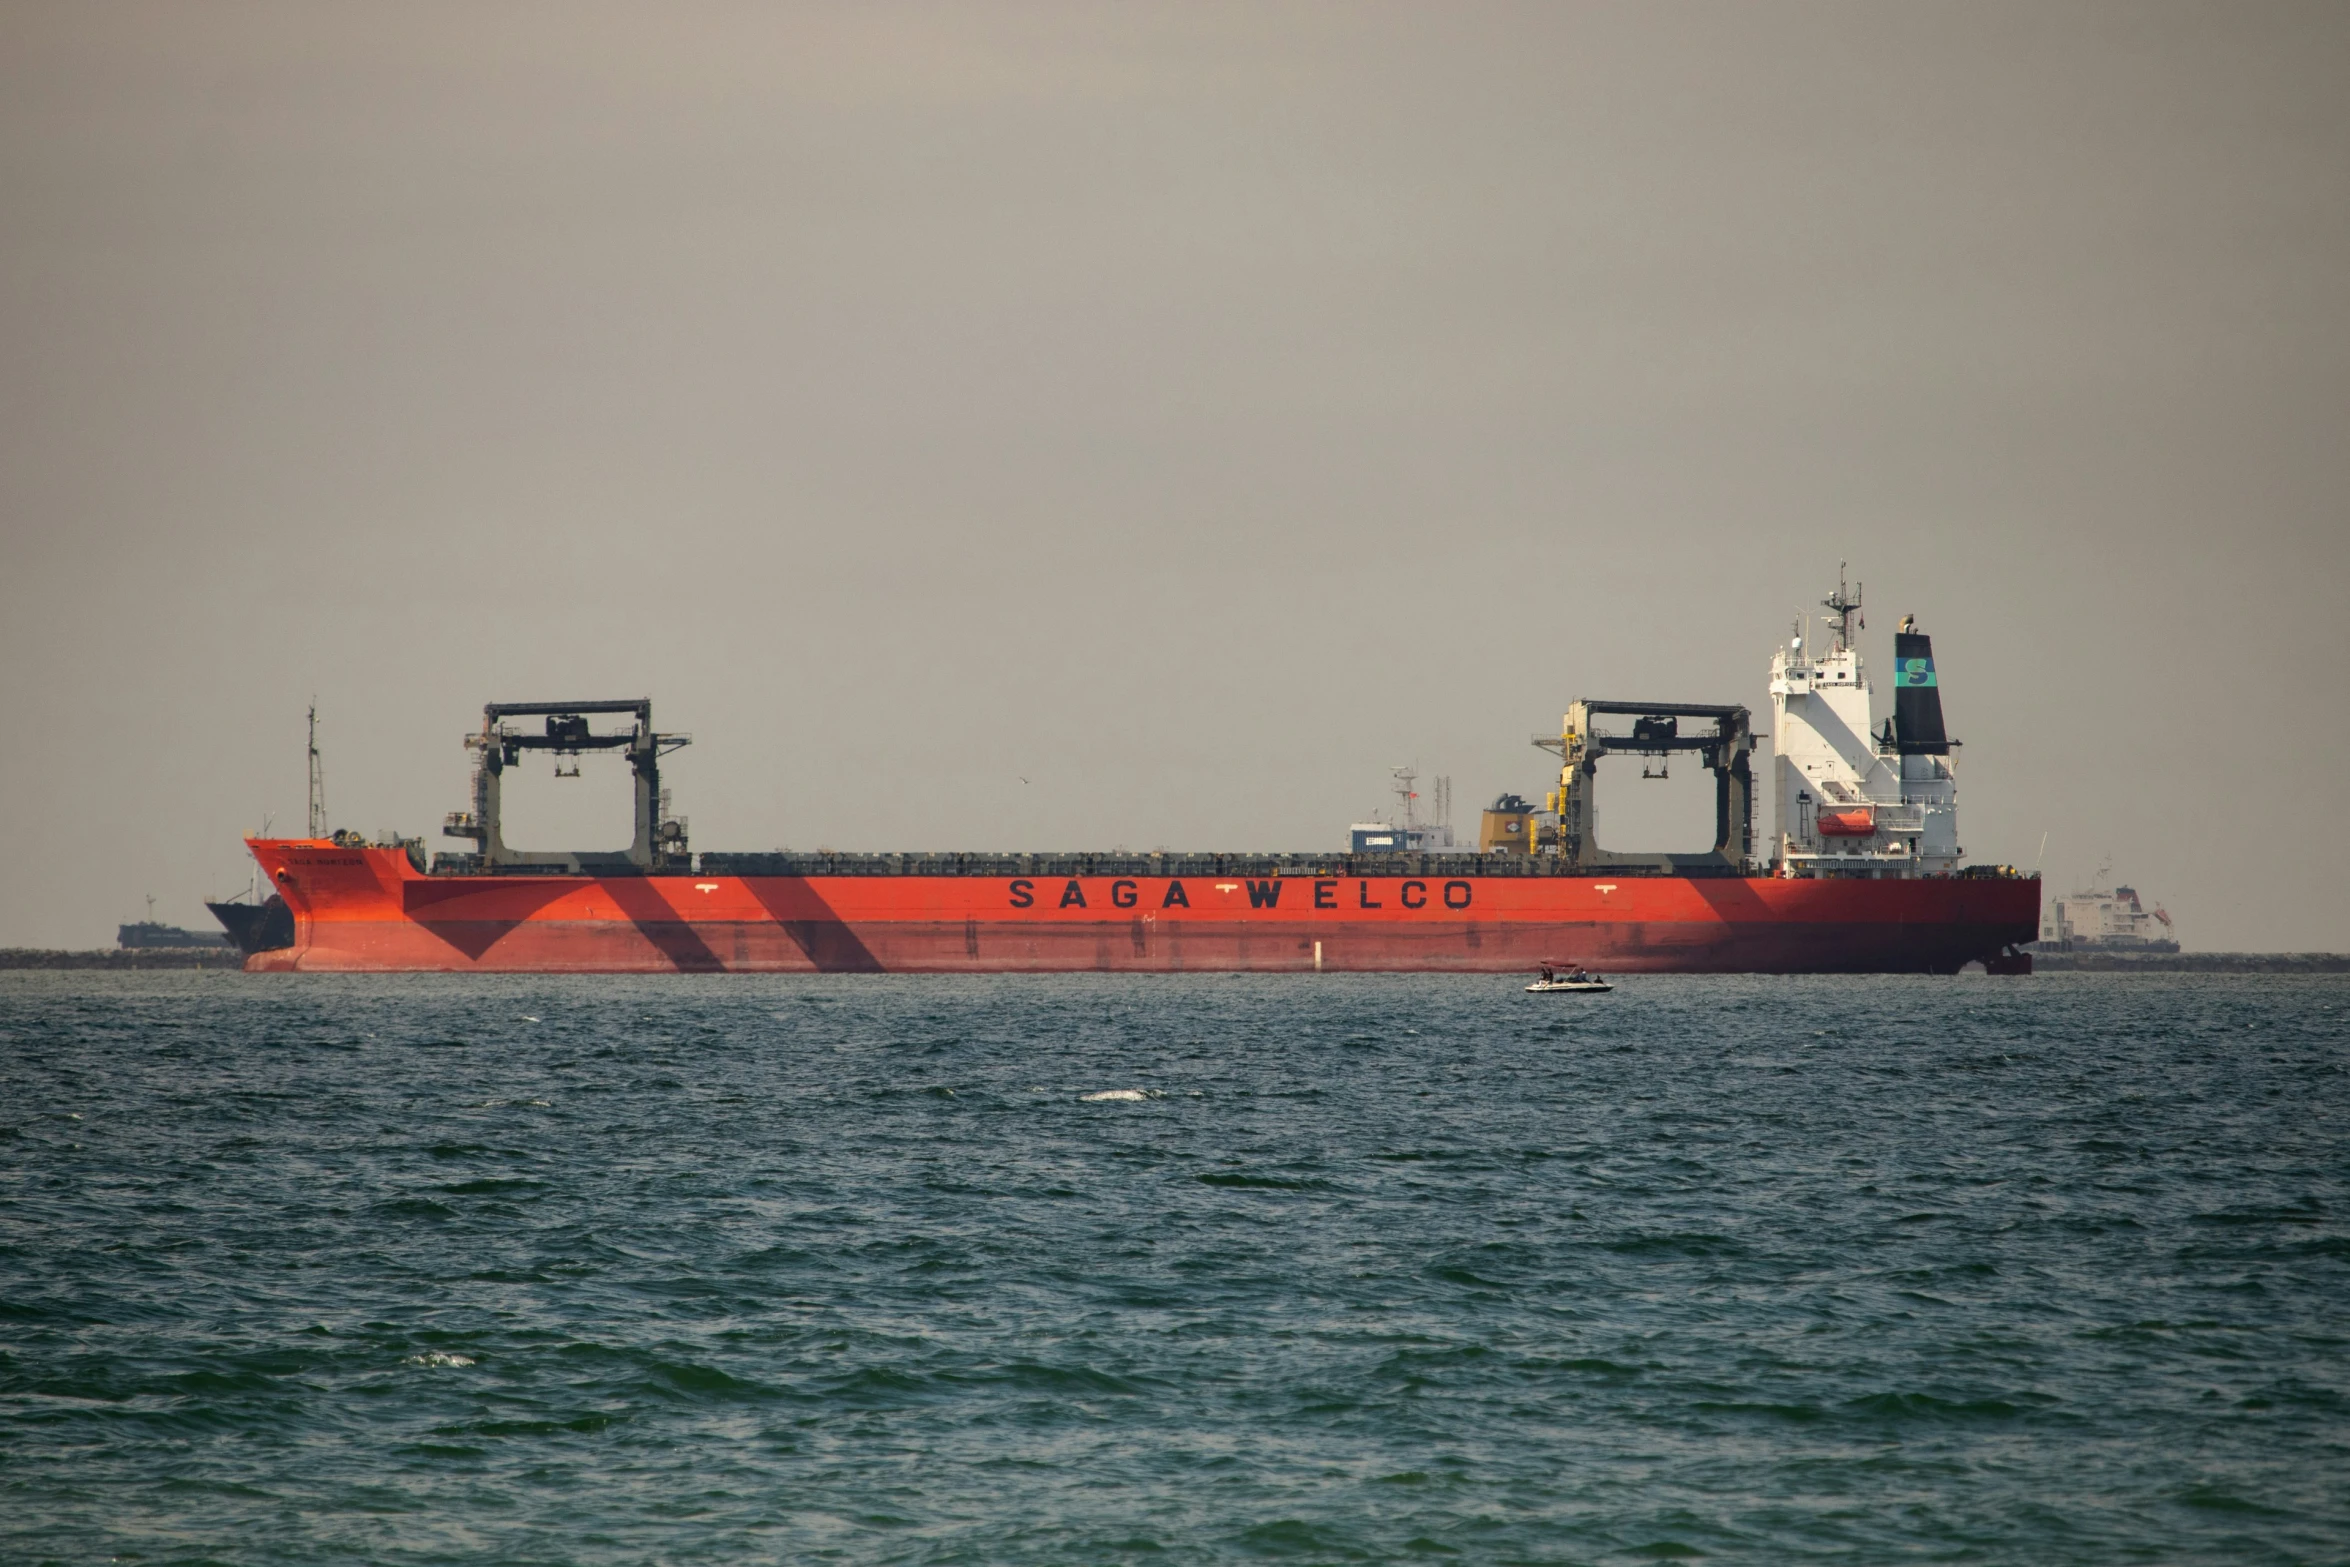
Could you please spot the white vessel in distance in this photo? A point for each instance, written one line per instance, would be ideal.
(2105, 921)
(1851, 800)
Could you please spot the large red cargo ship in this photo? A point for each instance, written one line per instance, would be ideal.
(1861, 873)
(370, 908)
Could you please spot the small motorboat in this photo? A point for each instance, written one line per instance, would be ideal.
(1577, 981)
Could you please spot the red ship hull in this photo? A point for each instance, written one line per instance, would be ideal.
(361, 909)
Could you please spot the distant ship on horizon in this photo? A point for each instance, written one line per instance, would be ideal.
(2105, 919)
(151, 935)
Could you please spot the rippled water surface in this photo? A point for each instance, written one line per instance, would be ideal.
(1097, 1269)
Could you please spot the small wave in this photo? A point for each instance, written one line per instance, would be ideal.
(1800, 1413)
(1296, 1537)
(1594, 1365)
(1684, 1244)
(1916, 1406)
(2212, 1499)
(2305, 1212)
(690, 1379)
(434, 1357)
(881, 1387)
(1065, 1379)
(1271, 1183)
(1454, 1275)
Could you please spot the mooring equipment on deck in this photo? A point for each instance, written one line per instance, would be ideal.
(1656, 732)
(659, 839)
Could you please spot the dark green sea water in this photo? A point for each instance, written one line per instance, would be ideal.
(727, 1269)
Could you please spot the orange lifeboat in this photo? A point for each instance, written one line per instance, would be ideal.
(1858, 823)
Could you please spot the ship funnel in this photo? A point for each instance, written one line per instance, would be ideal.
(1917, 697)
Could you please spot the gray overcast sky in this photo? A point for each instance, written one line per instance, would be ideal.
(1195, 410)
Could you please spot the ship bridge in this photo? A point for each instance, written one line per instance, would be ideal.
(1852, 799)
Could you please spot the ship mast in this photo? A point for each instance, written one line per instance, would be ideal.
(317, 778)
(1405, 777)
(1846, 610)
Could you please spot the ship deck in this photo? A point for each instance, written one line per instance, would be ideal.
(826, 863)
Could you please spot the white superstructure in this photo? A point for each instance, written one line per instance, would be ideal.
(1853, 799)
(2100, 920)
(1407, 834)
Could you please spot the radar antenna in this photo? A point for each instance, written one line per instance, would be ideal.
(1846, 609)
